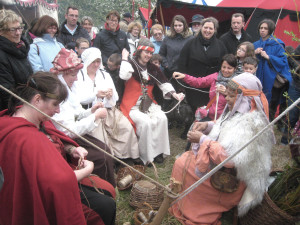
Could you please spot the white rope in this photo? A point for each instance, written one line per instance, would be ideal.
(214, 170)
(216, 110)
(195, 89)
(137, 65)
(87, 141)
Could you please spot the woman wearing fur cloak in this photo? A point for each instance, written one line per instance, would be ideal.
(244, 116)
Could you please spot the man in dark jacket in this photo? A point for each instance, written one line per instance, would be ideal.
(14, 66)
(236, 34)
(111, 39)
(70, 29)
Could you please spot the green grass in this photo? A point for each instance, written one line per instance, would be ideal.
(280, 156)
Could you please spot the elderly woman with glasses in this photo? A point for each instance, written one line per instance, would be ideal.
(45, 46)
(14, 66)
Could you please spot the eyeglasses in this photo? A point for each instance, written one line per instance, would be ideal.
(114, 21)
(157, 34)
(83, 48)
(15, 29)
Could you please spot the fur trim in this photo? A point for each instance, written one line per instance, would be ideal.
(253, 163)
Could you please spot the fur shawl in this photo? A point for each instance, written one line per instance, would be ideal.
(253, 163)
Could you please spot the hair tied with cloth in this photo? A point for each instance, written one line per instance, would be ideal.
(251, 93)
(65, 61)
(146, 48)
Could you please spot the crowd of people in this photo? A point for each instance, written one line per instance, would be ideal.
(109, 88)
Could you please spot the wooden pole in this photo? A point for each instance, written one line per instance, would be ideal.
(162, 18)
(149, 12)
(132, 9)
(175, 187)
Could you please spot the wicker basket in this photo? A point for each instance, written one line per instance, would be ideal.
(145, 191)
(145, 211)
(125, 171)
(267, 213)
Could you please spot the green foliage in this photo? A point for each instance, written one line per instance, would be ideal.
(294, 36)
(98, 9)
(285, 190)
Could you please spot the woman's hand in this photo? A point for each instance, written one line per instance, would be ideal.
(200, 126)
(265, 55)
(109, 93)
(258, 51)
(178, 96)
(178, 75)
(221, 88)
(79, 152)
(100, 113)
(125, 54)
(101, 94)
(97, 106)
(194, 136)
(86, 169)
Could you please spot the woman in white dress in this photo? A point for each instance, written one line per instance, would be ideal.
(95, 85)
(79, 120)
(146, 116)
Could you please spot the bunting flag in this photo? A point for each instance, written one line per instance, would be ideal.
(29, 3)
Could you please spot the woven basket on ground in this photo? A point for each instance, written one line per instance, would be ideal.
(145, 191)
(267, 213)
(123, 172)
(145, 211)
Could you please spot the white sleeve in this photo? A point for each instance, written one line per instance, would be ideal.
(126, 70)
(108, 103)
(80, 124)
(166, 88)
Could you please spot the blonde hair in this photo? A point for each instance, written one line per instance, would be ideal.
(249, 49)
(134, 24)
(156, 27)
(8, 16)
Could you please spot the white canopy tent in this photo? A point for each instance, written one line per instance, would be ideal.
(30, 9)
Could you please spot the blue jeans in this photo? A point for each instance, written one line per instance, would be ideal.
(294, 94)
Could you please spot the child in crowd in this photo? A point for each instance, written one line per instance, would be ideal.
(156, 60)
(217, 83)
(81, 45)
(158, 96)
(250, 65)
(245, 49)
(113, 68)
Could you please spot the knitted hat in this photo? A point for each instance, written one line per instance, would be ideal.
(65, 61)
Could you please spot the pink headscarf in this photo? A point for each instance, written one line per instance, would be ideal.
(66, 61)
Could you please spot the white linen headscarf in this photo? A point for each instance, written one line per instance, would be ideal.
(90, 55)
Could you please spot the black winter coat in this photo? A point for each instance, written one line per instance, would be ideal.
(198, 62)
(69, 40)
(14, 67)
(231, 42)
(110, 42)
(170, 50)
